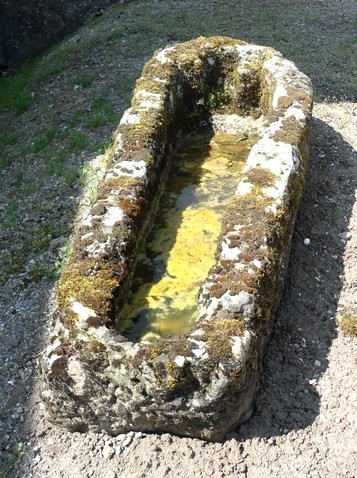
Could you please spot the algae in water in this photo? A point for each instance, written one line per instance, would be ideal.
(181, 245)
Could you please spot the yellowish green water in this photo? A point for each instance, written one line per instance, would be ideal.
(181, 245)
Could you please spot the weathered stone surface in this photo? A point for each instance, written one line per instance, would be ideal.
(29, 27)
(201, 384)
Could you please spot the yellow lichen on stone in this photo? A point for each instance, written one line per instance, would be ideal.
(261, 177)
(184, 243)
(348, 324)
(290, 132)
(187, 266)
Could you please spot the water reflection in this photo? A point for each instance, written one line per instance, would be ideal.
(180, 248)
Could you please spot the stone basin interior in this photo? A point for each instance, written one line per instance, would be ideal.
(182, 239)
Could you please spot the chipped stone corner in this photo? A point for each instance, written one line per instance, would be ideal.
(201, 384)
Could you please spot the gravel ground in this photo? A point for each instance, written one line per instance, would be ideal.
(304, 424)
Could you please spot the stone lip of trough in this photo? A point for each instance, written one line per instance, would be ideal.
(201, 384)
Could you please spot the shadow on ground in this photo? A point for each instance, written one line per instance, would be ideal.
(297, 354)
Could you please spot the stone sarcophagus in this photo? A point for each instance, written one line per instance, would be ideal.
(199, 382)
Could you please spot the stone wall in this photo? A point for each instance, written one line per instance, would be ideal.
(29, 27)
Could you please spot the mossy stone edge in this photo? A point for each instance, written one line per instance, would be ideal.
(201, 384)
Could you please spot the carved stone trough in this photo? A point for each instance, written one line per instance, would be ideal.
(202, 383)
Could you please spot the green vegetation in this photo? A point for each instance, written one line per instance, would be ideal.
(42, 141)
(8, 138)
(16, 93)
(89, 178)
(40, 271)
(114, 35)
(53, 63)
(12, 459)
(76, 118)
(101, 113)
(218, 98)
(76, 141)
(83, 80)
(62, 264)
(214, 99)
(43, 235)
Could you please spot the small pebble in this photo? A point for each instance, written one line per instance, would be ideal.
(107, 452)
(111, 474)
(307, 241)
(127, 441)
(37, 449)
(345, 236)
(119, 450)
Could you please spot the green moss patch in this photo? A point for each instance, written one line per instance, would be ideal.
(218, 335)
(91, 286)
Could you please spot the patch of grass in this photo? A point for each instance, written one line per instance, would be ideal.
(83, 80)
(19, 178)
(43, 235)
(12, 459)
(127, 85)
(77, 141)
(12, 262)
(15, 88)
(29, 189)
(89, 179)
(40, 143)
(12, 219)
(76, 118)
(8, 138)
(105, 149)
(13, 95)
(100, 148)
(52, 63)
(5, 161)
(71, 176)
(58, 166)
(101, 113)
(65, 257)
(41, 271)
(348, 325)
(115, 34)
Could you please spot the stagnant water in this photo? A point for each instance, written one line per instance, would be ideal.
(181, 245)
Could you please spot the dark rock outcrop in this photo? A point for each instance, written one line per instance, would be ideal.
(29, 27)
